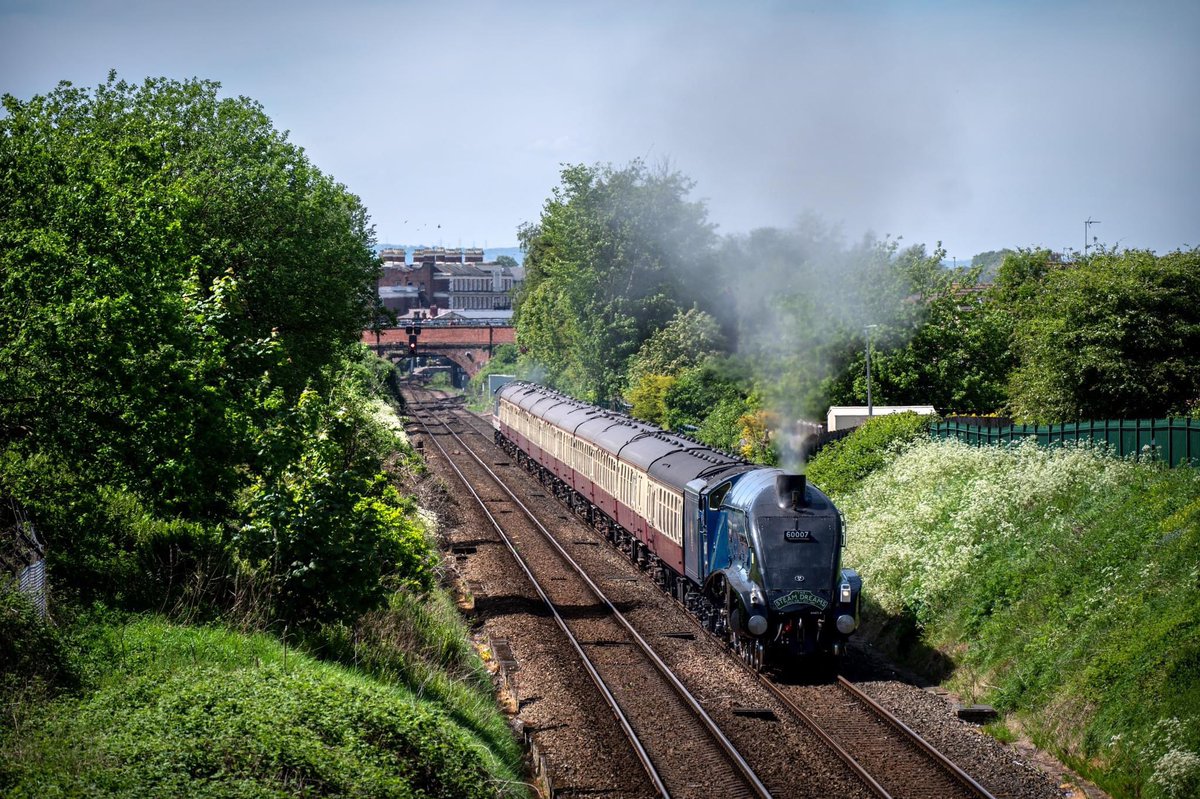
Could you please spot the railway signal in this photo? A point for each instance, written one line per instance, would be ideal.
(413, 330)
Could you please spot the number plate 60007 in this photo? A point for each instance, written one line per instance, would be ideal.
(797, 535)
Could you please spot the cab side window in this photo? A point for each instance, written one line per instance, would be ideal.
(717, 495)
(739, 538)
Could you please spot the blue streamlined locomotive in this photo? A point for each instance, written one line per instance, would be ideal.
(756, 553)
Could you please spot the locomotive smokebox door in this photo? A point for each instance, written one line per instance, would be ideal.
(789, 490)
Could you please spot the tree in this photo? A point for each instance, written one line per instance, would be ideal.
(687, 340)
(957, 359)
(990, 262)
(170, 264)
(605, 268)
(648, 397)
(181, 295)
(507, 260)
(699, 390)
(1111, 335)
(1021, 277)
(804, 298)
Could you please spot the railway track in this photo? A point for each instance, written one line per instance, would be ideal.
(666, 726)
(886, 756)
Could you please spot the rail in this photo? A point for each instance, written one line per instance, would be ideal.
(741, 766)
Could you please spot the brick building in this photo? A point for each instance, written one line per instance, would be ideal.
(446, 279)
(482, 286)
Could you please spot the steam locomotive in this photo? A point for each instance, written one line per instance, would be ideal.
(754, 552)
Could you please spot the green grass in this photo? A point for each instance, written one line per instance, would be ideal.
(1062, 583)
(169, 710)
(423, 643)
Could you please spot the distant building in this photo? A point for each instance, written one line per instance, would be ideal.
(448, 279)
(400, 287)
(393, 256)
(484, 286)
(843, 417)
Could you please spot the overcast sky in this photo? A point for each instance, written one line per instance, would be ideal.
(980, 124)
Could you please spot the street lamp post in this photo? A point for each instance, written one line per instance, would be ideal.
(870, 405)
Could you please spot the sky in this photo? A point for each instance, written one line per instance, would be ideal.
(981, 125)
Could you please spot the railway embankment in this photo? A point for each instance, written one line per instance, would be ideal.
(1059, 585)
(101, 701)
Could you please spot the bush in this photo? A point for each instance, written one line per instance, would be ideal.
(701, 389)
(503, 362)
(1063, 582)
(647, 398)
(722, 428)
(111, 546)
(325, 537)
(840, 467)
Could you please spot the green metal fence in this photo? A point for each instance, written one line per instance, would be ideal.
(1175, 440)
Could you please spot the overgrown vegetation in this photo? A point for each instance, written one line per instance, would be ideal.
(1061, 582)
(205, 711)
(842, 466)
(187, 418)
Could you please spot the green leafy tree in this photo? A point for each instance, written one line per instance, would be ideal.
(648, 397)
(1109, 336)
(688, 339)
(795, 303)
(700, 390)
(181, 294)
(170, 262)
(1021, 278)
(957, 359)
(897, 293)
(605, 268)
(989, 262)
(722, 427)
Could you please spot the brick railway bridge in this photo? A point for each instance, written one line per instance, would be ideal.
(466, 344)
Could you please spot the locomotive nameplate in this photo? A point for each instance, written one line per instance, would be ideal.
(797, 535)
(801, 598)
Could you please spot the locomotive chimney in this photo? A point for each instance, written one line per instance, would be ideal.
(789, 490)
